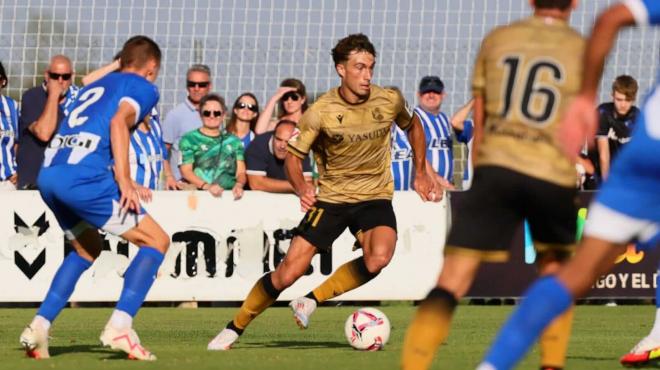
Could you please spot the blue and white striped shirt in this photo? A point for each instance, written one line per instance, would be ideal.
(439, 142)
(8, 137)
(147, 152)
(402, 159)
(439, 148)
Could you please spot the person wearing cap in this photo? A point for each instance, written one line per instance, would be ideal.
(439, 131)
(8, 136)
(43, 107)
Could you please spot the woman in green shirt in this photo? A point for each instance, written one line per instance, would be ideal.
(211, 159)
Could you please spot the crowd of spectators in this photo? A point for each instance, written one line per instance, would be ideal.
(201, 145)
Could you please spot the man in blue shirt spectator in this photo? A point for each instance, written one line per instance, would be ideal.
(47, 104)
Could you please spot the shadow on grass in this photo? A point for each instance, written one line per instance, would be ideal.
(56, 351)
(593, 358)
(294, 344)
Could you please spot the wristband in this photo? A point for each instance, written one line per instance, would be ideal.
(201, 187)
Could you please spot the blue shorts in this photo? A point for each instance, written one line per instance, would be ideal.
(83, 197)
(627, 208)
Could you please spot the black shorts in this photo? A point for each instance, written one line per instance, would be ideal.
(498, 202)
(325, 222)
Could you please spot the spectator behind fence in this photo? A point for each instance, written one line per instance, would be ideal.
(265, 160)
(291, 99)
(213, 160)
(244, 116)
(616, 121)
(439, 129)
(8, 136)
(185, 116)
(43, 107)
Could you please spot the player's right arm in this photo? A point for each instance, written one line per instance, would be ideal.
(298, 147)
(120, 125)
(604, 156)
(44, 127)
(581, 118)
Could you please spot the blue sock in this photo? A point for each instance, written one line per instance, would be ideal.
(62, 286)
(138, 279)
(545, 300)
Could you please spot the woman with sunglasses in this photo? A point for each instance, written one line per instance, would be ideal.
(244, 118)
(211, 159)
(8, 136)
(291, 99)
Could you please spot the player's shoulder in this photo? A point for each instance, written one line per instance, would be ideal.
(389, 93)
(531, 26)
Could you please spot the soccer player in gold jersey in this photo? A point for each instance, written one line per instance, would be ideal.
(525, 75)
(348, 128)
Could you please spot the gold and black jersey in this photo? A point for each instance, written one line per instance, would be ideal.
(351, 144)
(527, 73)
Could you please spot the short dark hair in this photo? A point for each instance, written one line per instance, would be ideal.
(356, 42)
(138, 50)
(626, 85)
(212, 97)
(552, 4)
(3, 76)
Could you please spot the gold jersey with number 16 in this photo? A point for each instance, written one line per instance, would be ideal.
(527, 73)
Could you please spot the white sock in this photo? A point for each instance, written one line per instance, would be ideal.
(121, 320)
(655, 332)
(41, 322)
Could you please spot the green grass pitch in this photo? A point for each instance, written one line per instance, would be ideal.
(179, 337)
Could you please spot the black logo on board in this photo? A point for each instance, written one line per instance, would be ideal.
(39, 227)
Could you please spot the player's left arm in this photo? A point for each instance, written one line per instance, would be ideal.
(120, 125)
(479, 121)
(458, 119)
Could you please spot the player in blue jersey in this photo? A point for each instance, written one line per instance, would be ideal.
(626, 209)
(77, 182)
(8, 137)
(147, 152)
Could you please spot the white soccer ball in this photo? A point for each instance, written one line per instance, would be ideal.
(367, 329)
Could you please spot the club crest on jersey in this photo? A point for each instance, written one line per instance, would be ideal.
(377, 115)
(340, 118)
